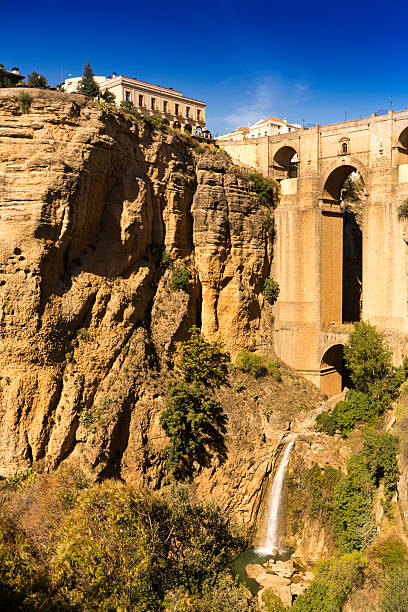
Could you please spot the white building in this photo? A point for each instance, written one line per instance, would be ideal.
(71, 84)
(263, 127)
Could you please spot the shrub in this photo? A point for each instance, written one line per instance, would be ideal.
(251, 363)
(194, 422)
(273, 369)
(380, 452)
(23, 581)
(332, 584)
(23, 478)
(266, 189)
(127, 104)
(180, 279)
(391, 552)
(395, 592)
(226, 595)
(24, 99)
(354, 522)
(83, 334)
(107, 96)
(272, 601)
(202, 361)
(366, 356)
(91, 416)
(165, 261)
(358, 407)
(271, 290)
(403, 210)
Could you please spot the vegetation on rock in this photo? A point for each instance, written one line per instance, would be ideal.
(403, 211)
(266, 189)
(180, 278)
(255, 364)
(376, 382)
(111, 547)
(271, 290)
(193, 420)
(203, 362)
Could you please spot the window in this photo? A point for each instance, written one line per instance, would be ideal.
(176, 109)
(165, 106)
(344, 147)
(127, 96)
(198, 115)
(187, 111)
(153, 103)
(140, 100)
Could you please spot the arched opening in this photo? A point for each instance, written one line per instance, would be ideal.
(286, 163)
(342, 246)
(333, 376)
(403, 147)
(198, 131)
(188, 128)
(176, 125)
(165, 121)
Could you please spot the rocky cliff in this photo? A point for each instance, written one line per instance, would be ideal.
(89, 320)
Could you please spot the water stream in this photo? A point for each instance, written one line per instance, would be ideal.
(274, 540)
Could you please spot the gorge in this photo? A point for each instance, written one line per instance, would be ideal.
(117, 236)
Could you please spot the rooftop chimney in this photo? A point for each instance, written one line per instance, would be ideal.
(114, 75)
(15, 71)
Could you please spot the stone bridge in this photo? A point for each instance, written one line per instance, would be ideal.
(331, 270)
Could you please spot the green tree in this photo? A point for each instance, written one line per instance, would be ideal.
(380, 452)
(366, 356)
(354, 522)
(202, 361)
(194, 422)
(37, 80)
(87, 85)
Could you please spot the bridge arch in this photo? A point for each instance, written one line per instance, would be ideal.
(341, 249)
(286, 162)
(333, 179)
(403, 147)
(333, 376)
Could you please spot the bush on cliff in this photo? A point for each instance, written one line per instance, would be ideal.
(395, 592)
(354, 521)
(114, 547)
(255, 364)
(271, 290)
(193, 420)
(376, 382)
(332, 584)
(380, 454)
(366, 357)
(202, 361)
(194, 423)
(180, 278)
(266, 189)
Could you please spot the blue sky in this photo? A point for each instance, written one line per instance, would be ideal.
(304, 61)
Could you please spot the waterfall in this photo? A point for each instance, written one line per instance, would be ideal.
(276, 503)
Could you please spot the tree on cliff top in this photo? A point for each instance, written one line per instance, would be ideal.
(37, 80)
(87, 86)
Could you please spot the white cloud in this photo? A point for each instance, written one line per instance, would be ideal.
(268, 96)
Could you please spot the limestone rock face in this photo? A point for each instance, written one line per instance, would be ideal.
(88, 320)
